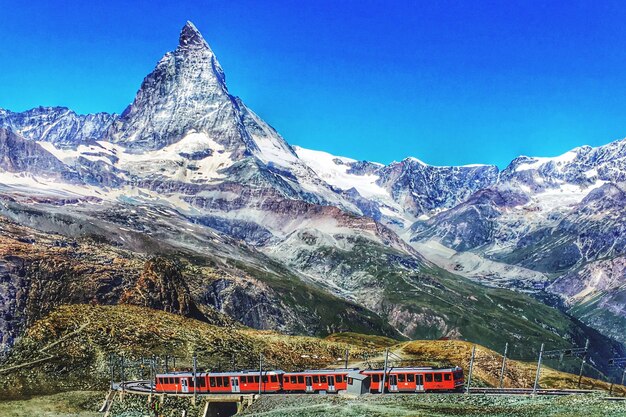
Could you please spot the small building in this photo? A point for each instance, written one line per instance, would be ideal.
(358, 383)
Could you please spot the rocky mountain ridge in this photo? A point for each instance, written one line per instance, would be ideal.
(188, 169)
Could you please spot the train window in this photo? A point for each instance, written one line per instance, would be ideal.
(264, 378)
(273, 378)
(400, 377)
(316, 379)
(349, 381)
(225, 378)
(293, 379)
(437, 377)
(447, 377)
(219, 381)
(410, 378)
(339, 379)
(429, 377)
(201, 383)
(256, 379)
(375, 378)
(212, 381)
(323, 379)
(300, 379)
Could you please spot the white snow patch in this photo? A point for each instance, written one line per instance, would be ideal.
(326, 167)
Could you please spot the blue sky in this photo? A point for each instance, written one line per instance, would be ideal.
(449, 82)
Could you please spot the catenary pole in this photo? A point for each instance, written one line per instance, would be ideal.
(152, 374)
(112, 365)
(122, 371)
(471, 369)
(347, 355)
(506, 349)
(195, 377)
(260, 371)
(582, 364)
(382, 387)
(538, 370)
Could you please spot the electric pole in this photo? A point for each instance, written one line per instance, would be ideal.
(538, 370)
(347, 353)
(122, 371)
(582, 364)
(152, 374)
(112, 366)
(195, 378)
(471, 369)
(260, 371)
(506, 349)
(382, 388)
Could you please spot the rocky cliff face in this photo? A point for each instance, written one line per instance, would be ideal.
(307, 242)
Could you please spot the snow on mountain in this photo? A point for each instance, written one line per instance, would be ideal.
(186, 144)
(57, 125)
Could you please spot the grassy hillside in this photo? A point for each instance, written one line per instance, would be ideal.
(68, 350)
(487, 366)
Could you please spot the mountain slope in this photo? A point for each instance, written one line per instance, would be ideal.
(215, 215)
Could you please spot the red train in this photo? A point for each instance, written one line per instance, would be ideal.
(311, 381)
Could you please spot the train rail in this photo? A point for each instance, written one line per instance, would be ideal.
(144, 387)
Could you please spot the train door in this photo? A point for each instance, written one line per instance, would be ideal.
(309, 383)
(184, 385)
(378, 379)
(234, 383)
(331, 383)
(393, 383)
(419, 383)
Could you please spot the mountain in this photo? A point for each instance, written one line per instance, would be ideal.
(188, 202)
(551, 226)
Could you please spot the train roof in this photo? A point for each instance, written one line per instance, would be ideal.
(415, 369)
(311, 371)
(180, 374)
(323, 371)
(249, 372)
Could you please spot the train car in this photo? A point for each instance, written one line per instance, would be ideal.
(244, 382)
(328, 380)
(181, 383)
(416, 379)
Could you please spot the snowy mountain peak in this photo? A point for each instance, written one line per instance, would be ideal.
(190, 36)
(185, 92)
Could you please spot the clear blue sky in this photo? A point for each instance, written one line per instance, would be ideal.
(449, 82)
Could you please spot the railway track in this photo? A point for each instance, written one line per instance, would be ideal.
(529, 391)
(143, 387)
